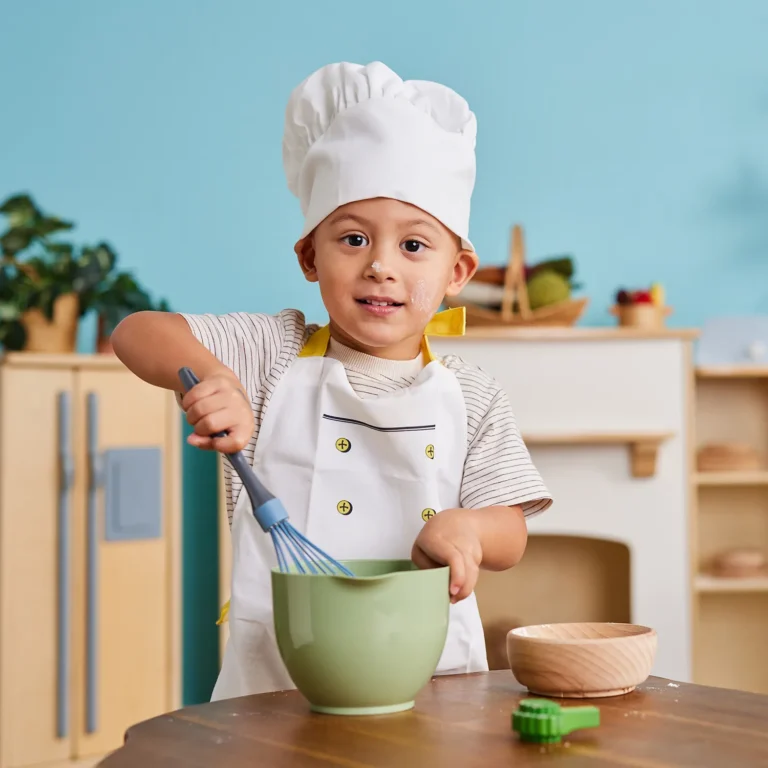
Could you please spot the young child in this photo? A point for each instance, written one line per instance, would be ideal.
(376, 448)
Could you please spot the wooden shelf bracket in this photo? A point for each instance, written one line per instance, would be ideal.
(643, 446)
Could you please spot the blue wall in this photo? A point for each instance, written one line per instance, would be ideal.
(630, 134)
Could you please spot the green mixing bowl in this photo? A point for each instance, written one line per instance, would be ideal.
(363, 645)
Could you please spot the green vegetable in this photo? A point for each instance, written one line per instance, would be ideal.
(547, 287)
(563, 265)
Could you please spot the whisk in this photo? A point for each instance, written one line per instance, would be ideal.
(290, 544)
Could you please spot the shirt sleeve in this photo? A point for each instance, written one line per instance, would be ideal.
(248, 344)
(498, 470)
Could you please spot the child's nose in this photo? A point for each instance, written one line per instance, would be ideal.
(380, 269)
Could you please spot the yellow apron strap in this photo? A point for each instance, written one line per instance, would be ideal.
(449, 322)
(224, 615)
(317, 344)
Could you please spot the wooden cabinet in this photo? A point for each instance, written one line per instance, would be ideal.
(604, 413)
(89, 556)
(731, 612)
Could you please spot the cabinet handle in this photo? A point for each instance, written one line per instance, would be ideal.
(95, 481)
(66, 478)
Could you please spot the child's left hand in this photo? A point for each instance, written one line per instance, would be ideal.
(451, 538)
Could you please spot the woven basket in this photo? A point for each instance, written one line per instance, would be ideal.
(515, 309)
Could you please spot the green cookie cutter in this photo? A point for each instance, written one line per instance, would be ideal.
(545, 722)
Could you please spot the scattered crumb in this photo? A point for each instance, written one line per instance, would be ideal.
(676, 700)
(672, 685)
(566, 744)
(233, 714)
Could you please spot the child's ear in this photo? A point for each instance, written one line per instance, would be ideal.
(305, 250)
(463, 271)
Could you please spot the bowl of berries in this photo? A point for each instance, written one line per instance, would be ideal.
(643, 308)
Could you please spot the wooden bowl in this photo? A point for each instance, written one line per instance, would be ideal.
(745, 562)
(581, 660)
(728, 457)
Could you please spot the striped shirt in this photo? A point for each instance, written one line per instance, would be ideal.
(260, 348)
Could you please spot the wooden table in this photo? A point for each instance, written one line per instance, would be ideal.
(461, 721)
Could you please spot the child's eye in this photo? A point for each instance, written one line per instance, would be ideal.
(356, 241)
(413, 246)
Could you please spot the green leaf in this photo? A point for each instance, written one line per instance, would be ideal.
(14, 336)
(47, 225)
(563, 265)
(15, 240)
(106, 257)
(60, 249)
(20, 210)
(8, 311)
(97, 261)
(46, 298)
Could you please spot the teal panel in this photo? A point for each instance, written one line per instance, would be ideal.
(200, 563)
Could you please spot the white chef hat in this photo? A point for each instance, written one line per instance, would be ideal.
(356, 132)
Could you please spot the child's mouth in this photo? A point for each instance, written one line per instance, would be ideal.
(382, 306)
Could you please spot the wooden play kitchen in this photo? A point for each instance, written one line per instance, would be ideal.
(463, 722)
(90, 556)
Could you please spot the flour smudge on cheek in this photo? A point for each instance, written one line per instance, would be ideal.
(421, 297)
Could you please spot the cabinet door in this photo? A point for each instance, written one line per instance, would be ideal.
(36, 565)
(126, 636)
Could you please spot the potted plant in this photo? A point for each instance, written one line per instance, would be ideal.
(11, 330)
(43, 281)
(116, 298)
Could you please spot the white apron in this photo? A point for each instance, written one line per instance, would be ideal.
(359, 477)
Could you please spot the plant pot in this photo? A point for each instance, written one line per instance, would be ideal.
(58, 335)
(646, 316)
(104, 337)
(105, 326)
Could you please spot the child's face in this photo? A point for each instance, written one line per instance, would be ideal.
(381, 250)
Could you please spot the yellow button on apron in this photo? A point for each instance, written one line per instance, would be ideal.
(343, 507)
(343, 445)
(428, 514)
(430, 451)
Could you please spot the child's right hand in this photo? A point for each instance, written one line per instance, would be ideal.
(219, 404)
